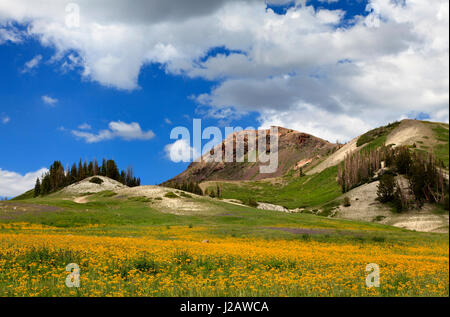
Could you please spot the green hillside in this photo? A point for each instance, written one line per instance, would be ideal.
(291, 192)
(109, 214)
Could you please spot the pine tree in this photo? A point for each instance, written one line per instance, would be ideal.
(96, 170)
(218, 193)
(301, 172)
(111, 170)
(80, 171)
(37, 188)
(85, 169)
(46, 185)
(57, 176)
(386, 188)
(73, 174)
(90, 169)
(67, 177)
(103, 168)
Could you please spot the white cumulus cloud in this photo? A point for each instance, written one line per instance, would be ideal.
(13, 184)
(180, 151)
(117, 129)
(381, 67)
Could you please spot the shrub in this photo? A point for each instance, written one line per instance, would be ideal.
(379, 218)
(183, 194)
(378, 239)
(252, 202)
(58, 257)
(171, 195)
(146, 265)
(96, 180)
(141, 199)
(346, 201)
(306, 237)
(143, 264)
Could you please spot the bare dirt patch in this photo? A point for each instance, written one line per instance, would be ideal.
(81, 200)
(335, 158)
(85, 186)
(234, 202)
(179, 205)
(409, 132)
(266, 206)
(421, 221)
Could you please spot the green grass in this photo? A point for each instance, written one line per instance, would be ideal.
(185, 195)
(376, 136)
(375, 144)
(300, 192)
(119, 217)
(171, 195)
(106, 193)
(441, 150)
(27, 195)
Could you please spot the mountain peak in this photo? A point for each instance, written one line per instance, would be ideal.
(294, 147)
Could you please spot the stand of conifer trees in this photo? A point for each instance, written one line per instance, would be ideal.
(57, 177)
(427, 181)
(187, 187)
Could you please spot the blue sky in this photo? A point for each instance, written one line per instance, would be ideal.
(68, 93)
(38, 133)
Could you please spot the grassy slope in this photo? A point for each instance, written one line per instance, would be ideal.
(123, 217)
(27, 195)
(441, 149)
(376, 137)
(300, 192)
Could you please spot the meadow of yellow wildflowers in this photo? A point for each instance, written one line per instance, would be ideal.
(33, 264)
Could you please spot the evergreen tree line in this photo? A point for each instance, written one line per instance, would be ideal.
(195, 189)
(57, 177)
(424, 173)
(190, 187)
